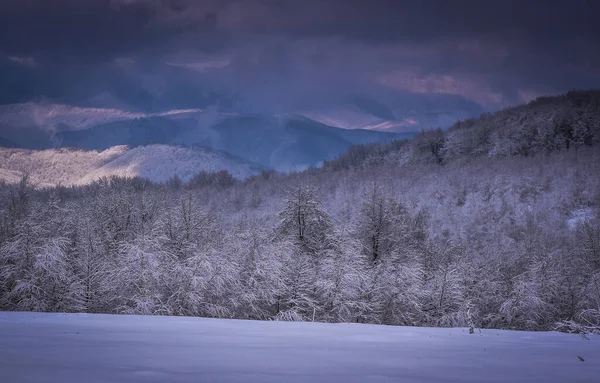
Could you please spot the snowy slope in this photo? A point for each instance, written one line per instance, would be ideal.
(71, 348)
(160, 162)
(54, 166)
(72, 166)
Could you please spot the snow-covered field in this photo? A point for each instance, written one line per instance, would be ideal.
(109, 348)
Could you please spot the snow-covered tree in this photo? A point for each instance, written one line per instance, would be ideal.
(304, 221)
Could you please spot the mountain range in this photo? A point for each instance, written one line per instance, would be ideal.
(136, 104)
(281, 142)
(143, 87)
(65, 144)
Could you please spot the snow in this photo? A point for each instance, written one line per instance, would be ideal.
(68, 348)
(54, 166)
(579, 216)
(76, 167)
(159, 162)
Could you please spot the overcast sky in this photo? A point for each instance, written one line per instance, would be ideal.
(494, 53)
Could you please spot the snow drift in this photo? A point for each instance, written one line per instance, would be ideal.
(112, 348)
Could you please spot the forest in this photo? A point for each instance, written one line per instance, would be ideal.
(494, 223)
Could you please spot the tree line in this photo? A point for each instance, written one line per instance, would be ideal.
(386, 234)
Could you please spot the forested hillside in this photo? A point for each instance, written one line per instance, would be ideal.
(494, 223)
(544, 125)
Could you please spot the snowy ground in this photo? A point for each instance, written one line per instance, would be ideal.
(108, 348)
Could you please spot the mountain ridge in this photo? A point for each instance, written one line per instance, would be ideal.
(157, 163)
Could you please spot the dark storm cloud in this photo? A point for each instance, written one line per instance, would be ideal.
(492, 52)
(77, 28)
(94, 29)
(73, 25)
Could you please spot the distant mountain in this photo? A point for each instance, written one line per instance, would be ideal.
(161, 162)
(282, 142)
(151, 87)
(395, 111)
(278, 142)
(141, 103)
(35, 125)
(75, 167)
(55, 117)
(136, 87)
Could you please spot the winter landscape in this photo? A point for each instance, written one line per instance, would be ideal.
(254, 191)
